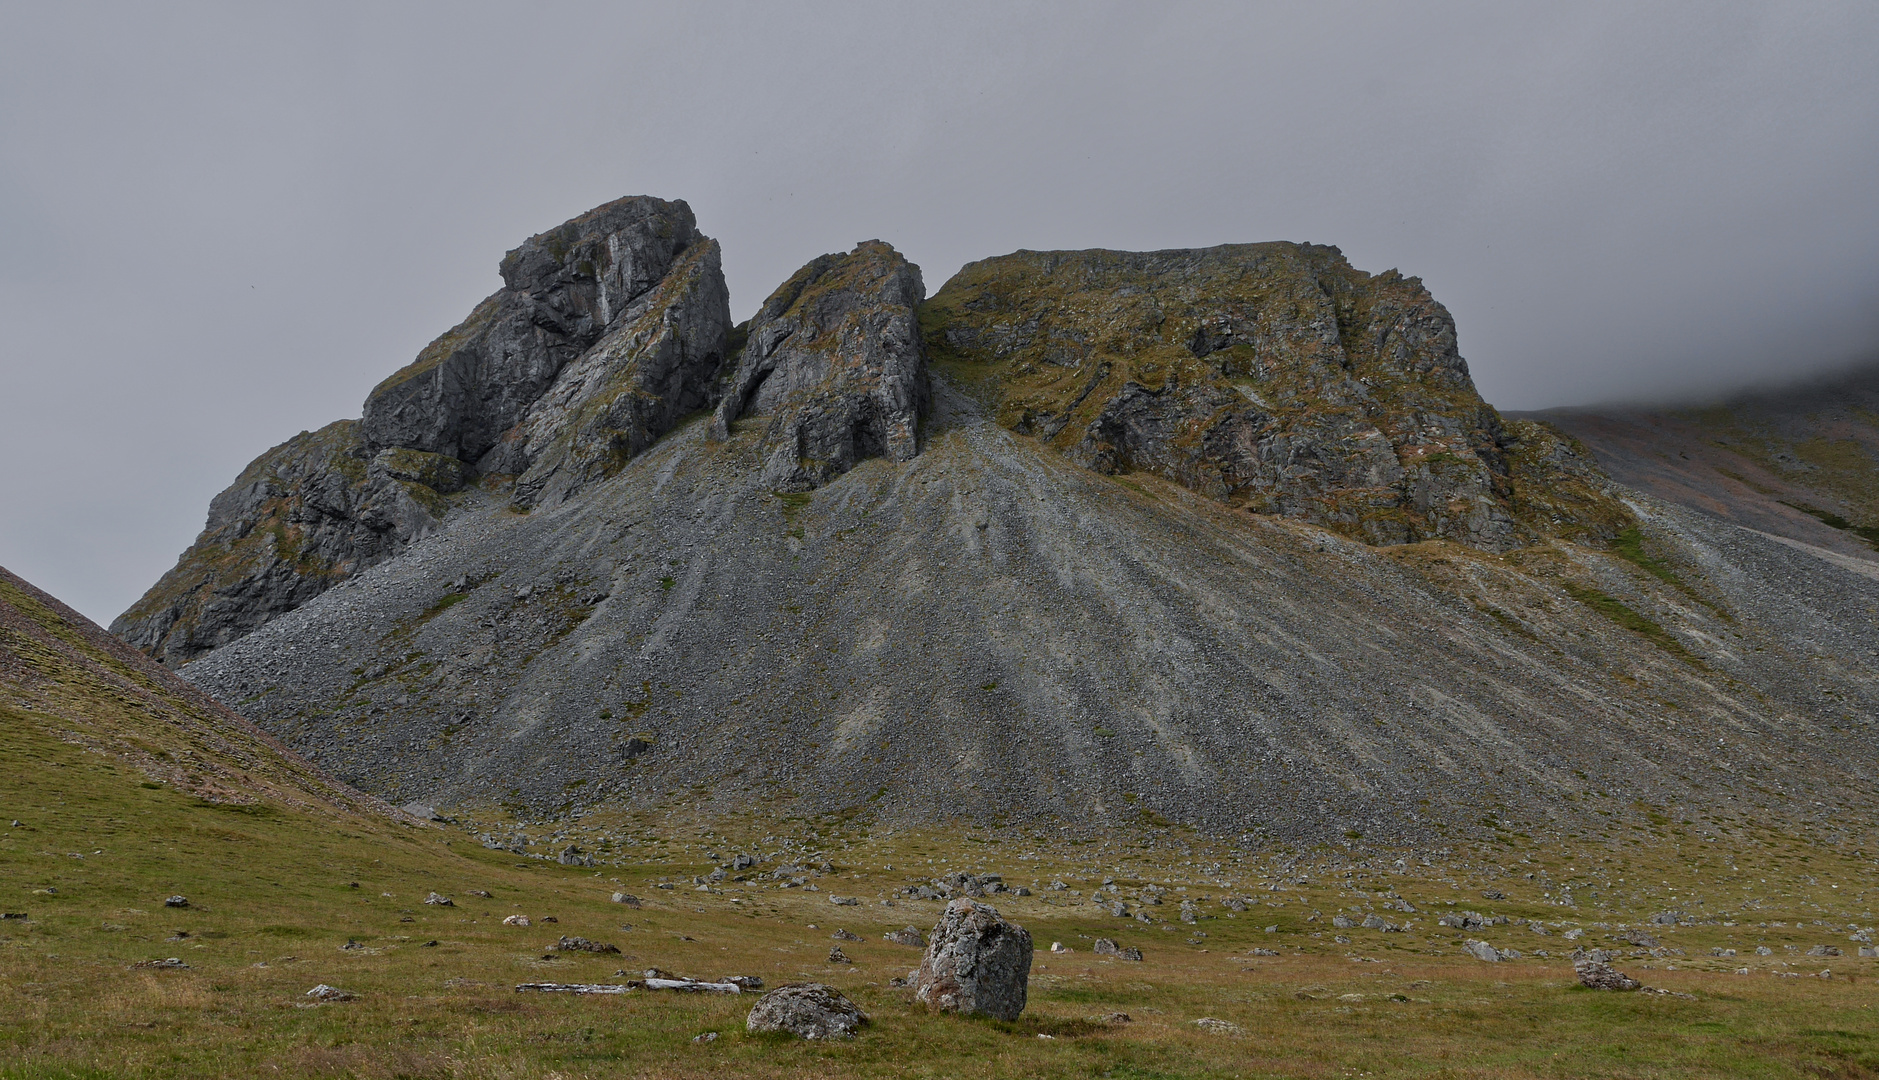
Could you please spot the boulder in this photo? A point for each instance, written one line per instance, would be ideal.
(1598, 975)
(910, 935)
(1106, 947)
(834, 368)
(976, 962)
(807, 1011)
(1481, 950)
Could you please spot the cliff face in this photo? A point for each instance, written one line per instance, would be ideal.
(562, 292)
(607, 332)
(834, 369)
(1272, 377)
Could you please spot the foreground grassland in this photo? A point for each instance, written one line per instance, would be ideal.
(273, 903)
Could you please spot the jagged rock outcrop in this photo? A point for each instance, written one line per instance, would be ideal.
(659, 364)
(834, 365)
(562, 292)
(607, 332)
(300, 517)
(1273, 377)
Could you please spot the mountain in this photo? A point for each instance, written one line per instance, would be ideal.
(1800, 462)
(1223, 537)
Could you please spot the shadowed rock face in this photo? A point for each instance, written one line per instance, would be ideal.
(300, 517)
(834, 366)
(607, 332)
(1268, 376)
(562, 291)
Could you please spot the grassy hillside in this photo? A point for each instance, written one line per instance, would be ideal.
(128, 788)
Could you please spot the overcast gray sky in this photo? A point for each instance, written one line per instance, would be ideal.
(222, 224)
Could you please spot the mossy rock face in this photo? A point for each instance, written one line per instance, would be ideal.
(1270, 376)
(834, 366)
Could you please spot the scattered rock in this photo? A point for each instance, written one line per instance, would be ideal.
(1217, 1027)
(1598, 975)
(1112, 1018)
(845, 935)
(626, 898)
(324, 992)
(483, 894)
(1668, 918)
(1058, 947)
(744, 982)
(837, 956)
(568, 988)
(709, 1036)
(1824, 950)
(844, 901)
(581, 944)
(4, 916)
(1262, 952)
(439, 901)
(515, 920)
(1106, 947)
(176, 901)
(1481, 950)
(169, 964)
(1493, 894)
(976, 962)
(807, 1011)
(910, 935)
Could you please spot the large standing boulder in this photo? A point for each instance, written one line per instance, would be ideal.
(976, 962)
(807, 1011)
(834, 366)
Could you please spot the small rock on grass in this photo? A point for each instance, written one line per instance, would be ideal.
(1217, 1027)
(438, 900)
(581, 944)
(1598, 975)
(908, 936)
(169, 964)
(1106, 947)
(807, 1011)
(324, 992)
(837, 956)
(845, 935)
(176, 901)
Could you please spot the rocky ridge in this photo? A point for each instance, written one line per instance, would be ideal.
(1223, 537)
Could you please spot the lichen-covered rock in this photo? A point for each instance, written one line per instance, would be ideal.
(563, 290)
(298, 520)
(807, 1011)
(1598, 975)
(1274, 377)
(975, 962)
(834, 367)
